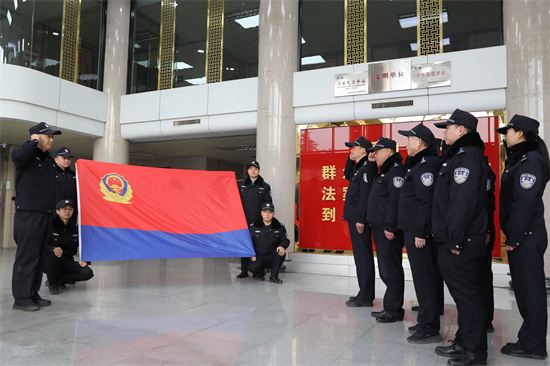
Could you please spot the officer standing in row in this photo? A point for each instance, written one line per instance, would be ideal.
(382, 210)
(459, 226)
(487, 269)
(34, 207)
(522, 220)
(60, 263)
(360, 172)
(415, 218)
(65, 177)
(270, 243)
(254, 193)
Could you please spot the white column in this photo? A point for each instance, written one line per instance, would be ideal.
(276, 134)
(526, 30)
(112, 147)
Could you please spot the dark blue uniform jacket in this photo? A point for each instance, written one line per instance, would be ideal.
(266, 239)
(65, 237)
(357, 195)
(459, 211)
(253, 196)
(415, 201)
(65, 184)
(384, 195)
(521, 187)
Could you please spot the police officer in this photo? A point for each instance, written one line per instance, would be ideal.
(415, 218)
(522, 221)
(459, 226)
(360, 171)
(270, 243)
(382, 210)
(60, 264)
(34, 205)
(65, 177)
(254, 193)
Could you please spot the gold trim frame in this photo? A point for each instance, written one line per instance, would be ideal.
(429, 32)
(166, 47)
(355, 32)
(68, 66)
(214, 41)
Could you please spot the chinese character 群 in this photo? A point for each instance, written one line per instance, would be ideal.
(329, 172)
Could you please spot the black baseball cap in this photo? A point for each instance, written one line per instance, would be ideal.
(63, 203)
(268, 206)
(65, 152)
(44, 129)
(383, 143)
(420, 131)
(521, 123)
(461, 118)
(253, 163)
(360, 141)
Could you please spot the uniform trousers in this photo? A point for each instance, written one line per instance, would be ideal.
(427, 283)
(487, 280)
(527, 270)
(364, 261)
(65, 269)
(263, 261)
(31, 232)
(462, 274)
(389, 254)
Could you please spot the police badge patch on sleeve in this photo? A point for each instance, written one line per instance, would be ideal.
(488, 185)
(461, 174)
(427, 179)
(365, 177)
(398, 182)
(527, 180)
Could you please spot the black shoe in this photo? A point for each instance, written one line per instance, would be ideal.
(389, 318)
(41, 302)
(467, 358)
(355, 303)
(490, 328)
(243, 274)
(415, 308)
(512, 349)
(54, 290)
(449, 351)
(275, 280)
(412, 329)
(27, 305)
(259, 278)
(424, 338)
(378, 314)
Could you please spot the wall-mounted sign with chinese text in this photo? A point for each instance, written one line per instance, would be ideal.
(353, 83)
(322, 192)
(390, 76)
(431, 75)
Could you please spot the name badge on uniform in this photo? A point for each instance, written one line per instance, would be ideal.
(527, 180)
(461, 174)
(427, 179)
(398, 182)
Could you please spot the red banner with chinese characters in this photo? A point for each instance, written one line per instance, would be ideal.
(323, 156)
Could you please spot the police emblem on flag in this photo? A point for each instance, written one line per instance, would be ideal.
(398, 182)
(427, 179)
(461, 174)
(116, 188)
(527, 180)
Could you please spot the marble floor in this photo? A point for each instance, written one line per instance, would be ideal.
(194, 312)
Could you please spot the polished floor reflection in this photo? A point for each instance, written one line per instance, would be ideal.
(194, 311)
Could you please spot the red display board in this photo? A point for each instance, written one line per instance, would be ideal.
(323, 156)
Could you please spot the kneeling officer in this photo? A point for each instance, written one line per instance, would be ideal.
(270, 243)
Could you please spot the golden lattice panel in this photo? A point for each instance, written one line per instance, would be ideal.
(430, 29)
(356, 32)
(69, 41)
(214, 41)
(166, 49)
